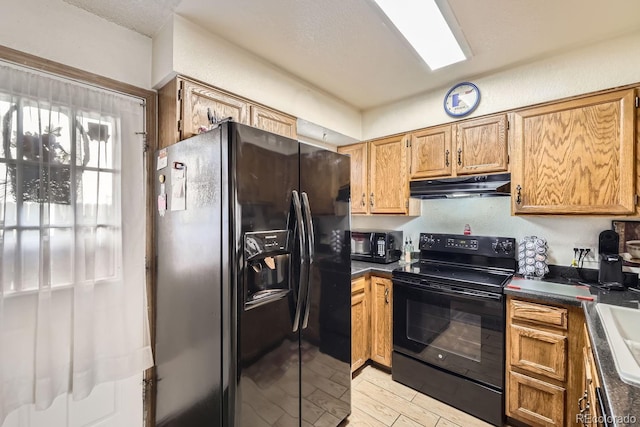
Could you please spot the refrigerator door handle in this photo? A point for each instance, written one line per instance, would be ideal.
(299, 293)
(311, 243)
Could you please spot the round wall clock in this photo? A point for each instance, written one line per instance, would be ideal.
(461, 99)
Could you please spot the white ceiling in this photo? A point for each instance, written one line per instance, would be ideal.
(348, 49)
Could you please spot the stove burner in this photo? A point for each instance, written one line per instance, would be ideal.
(478, 262)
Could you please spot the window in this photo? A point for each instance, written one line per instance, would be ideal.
(73, 308)
(40, 144)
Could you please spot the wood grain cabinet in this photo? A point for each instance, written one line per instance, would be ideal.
(476, 146)
(381, 330)
(388, 183)
(371, 323)
(543, 366)
(359, 176)
(379, 177)
(482, 145)
(360, 346)
(588, 404)
(185, 105)
(431, 153)
(273, 121)
(575, 157)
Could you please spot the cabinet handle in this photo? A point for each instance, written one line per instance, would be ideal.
(584, 398)
(363, 198)
(518, 194)
(386, 296)
(446, 158)
(371, 200)
(459, 156)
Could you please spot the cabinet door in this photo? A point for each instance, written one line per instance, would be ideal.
(359, 176)
(482, 145)
(381, 320)
(359, 324)
(388, 183)
(576, 156)
(198, 101)
(273, 121)
(431, 153)
(539, 352)
(535, 402)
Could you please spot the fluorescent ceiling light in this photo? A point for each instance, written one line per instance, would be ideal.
(424, 27)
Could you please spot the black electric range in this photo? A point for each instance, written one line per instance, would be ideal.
(449, 321)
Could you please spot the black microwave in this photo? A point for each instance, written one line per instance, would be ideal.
(381, 246)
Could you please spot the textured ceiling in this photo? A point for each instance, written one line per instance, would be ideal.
(348, 49)
(143, 16)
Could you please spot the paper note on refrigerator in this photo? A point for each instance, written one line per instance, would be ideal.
(178, 189)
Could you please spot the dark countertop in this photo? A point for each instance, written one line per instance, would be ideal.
(360, 268)
(619, 396)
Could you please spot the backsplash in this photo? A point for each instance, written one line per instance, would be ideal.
(492, 216)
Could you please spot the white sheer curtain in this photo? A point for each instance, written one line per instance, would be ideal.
(72, 242)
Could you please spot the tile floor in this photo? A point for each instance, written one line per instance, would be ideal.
(378, 401)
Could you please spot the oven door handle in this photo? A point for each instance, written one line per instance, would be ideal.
(448, 290)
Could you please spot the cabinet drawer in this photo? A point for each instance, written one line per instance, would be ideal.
(539, 352)
(534, 401)
(538, 313)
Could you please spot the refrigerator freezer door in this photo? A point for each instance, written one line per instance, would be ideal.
(326, 334)
(188, 293)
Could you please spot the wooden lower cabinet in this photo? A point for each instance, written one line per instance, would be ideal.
(381, 344)
(535, 401)
(588, 402)
(359, 323)
(539, 352)
(544, 371)
(371, 323)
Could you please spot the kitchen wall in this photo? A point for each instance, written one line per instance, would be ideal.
(491, 216)
(600, 66)
(57, 31)
(185, 48)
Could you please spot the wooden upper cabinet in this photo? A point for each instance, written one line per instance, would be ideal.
(576, 157)
(199, 101)
(431, 154)
(388, 183)
(185, 105)
(273, 121)
(359, 176)
(482, 145)
(474, 146)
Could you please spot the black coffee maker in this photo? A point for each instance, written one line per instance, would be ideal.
(610, 272)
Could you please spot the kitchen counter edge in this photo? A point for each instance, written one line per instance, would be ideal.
(361, 268)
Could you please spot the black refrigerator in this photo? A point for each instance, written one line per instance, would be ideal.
(253, 297)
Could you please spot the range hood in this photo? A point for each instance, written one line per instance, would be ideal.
(473, 186)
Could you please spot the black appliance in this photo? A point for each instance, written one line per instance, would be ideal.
(478, 185)
(610, 271)
(449, 321)
(253, 283)
(381, 246)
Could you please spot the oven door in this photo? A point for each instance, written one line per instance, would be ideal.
(453, 328)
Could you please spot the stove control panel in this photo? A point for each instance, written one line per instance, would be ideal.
(495, 247)
(462, 243)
